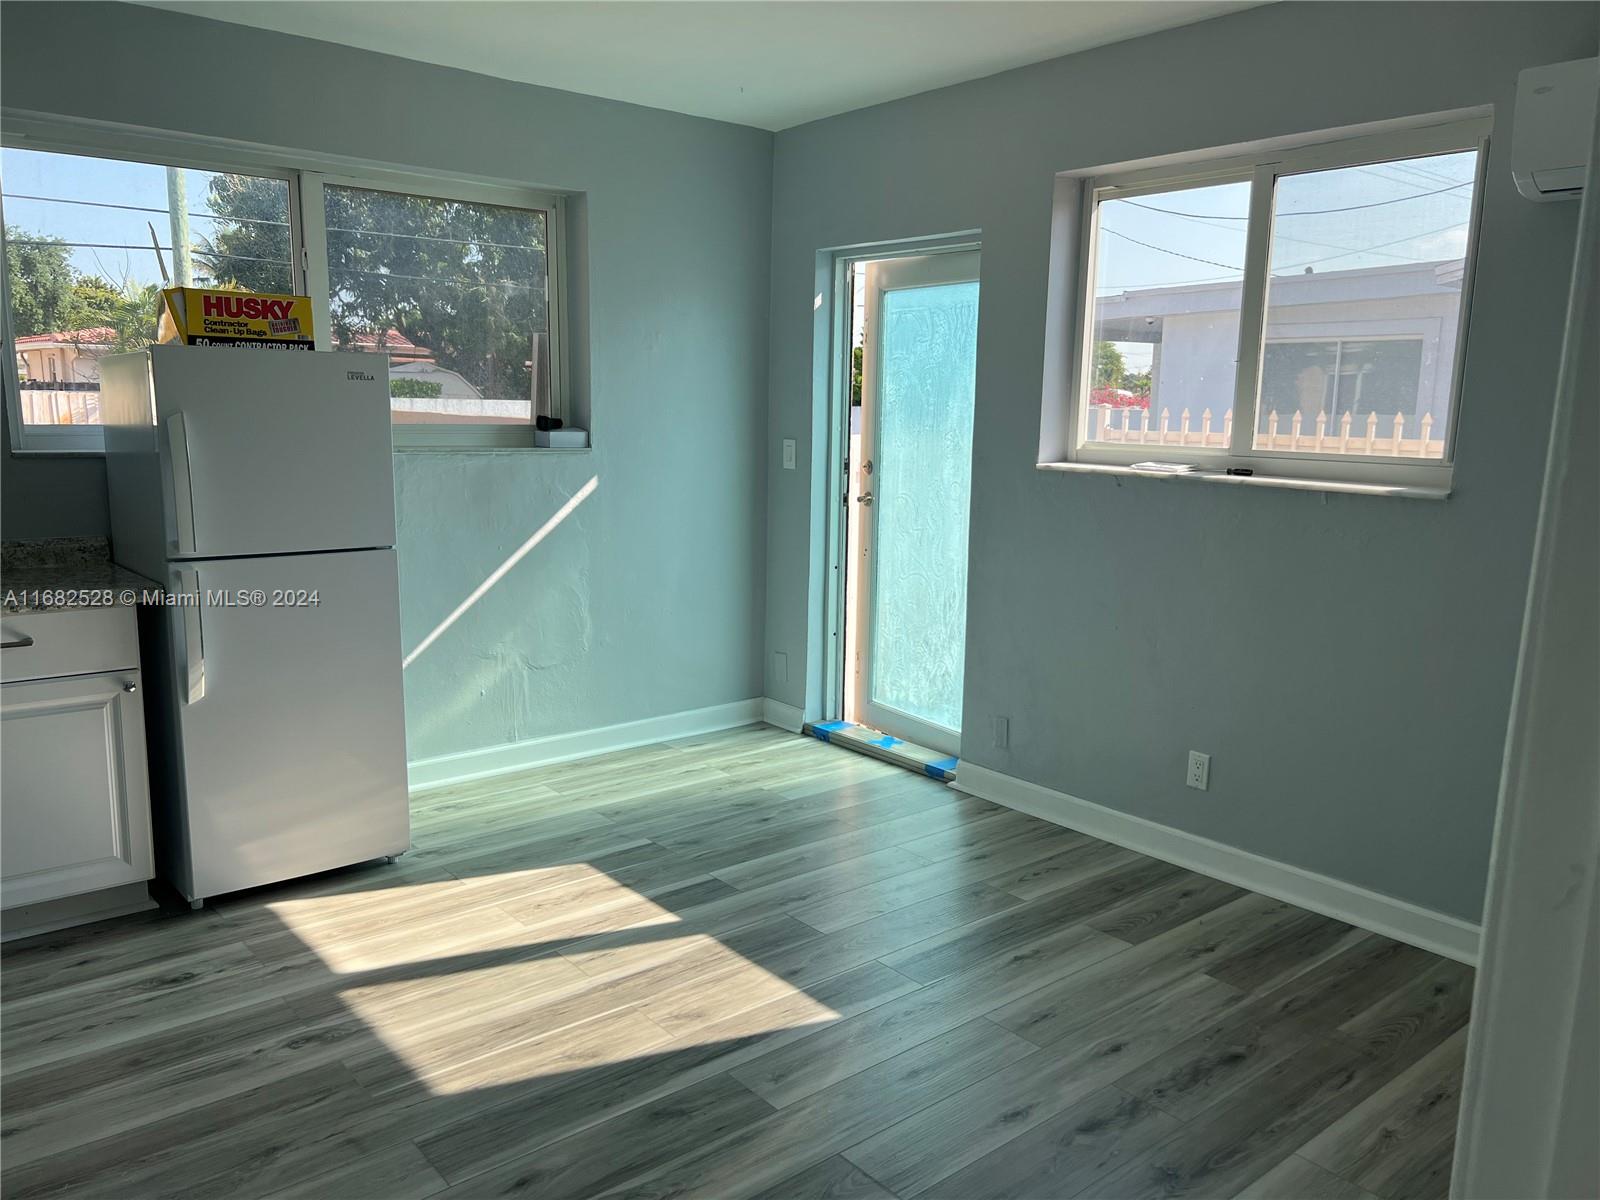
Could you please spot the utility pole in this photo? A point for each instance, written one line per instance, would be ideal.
(178, 211)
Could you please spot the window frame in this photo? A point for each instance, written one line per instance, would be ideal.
(433, 435)
(1263, 170)
(305, 174)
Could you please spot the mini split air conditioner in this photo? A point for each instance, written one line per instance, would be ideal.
(1552, 130)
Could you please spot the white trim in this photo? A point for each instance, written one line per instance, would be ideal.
(1294, 483)
(305, 173)
(564, 747)
(47, 916)
(831, 393)
(1263, 168)
(1527, 1101)
(1387, 915)
(781, 715)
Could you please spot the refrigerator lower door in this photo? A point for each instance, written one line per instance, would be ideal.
(286, 698)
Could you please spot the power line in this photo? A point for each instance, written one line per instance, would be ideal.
(1210, 262)
(206, 216)
(1410, 237)
(423, 237)
(121, 246)
(1310, 212)
(1276, 236)
(465, 280)
(1110, 287)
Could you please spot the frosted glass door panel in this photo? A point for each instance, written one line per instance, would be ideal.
(927, 356)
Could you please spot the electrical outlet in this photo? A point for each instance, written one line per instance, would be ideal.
(780, 667)
(1199, 770)
(1002, 733)
(788, 454)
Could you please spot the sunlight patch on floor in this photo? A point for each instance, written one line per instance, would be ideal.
(502, 979)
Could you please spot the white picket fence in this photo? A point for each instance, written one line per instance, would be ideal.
(72, 405)
(1136, 427)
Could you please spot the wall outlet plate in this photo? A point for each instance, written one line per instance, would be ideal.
(1199, 770)
(1002, 733)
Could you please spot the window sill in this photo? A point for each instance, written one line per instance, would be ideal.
(469, 448)
(57, 452)
(1402, 491)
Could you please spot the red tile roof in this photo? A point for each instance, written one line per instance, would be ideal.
(395, 343)
(95, 335)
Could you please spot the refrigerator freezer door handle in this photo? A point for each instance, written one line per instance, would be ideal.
(194, 650)
(182, 494)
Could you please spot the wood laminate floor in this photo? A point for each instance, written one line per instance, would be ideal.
(742, 965)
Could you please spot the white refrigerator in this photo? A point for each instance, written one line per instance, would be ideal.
(257, 488)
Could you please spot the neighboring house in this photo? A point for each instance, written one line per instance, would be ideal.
(457, 398)
(1374, 340)
(59, 374)
(407, 360)
(70, 355)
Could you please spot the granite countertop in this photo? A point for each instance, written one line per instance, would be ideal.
(58, 574)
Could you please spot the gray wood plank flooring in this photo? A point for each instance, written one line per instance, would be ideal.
(741, 965)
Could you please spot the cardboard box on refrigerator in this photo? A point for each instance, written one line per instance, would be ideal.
(196, 316)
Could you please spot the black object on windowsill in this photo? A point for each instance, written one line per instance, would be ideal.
(546, 423)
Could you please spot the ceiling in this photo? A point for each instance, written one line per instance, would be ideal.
(767, 63)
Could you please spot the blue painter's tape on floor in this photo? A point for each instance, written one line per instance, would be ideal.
(945, 768)
(884, 742)
(823, 731)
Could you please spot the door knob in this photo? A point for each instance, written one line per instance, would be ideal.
(130, 686)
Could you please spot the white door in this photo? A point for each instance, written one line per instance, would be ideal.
(913, 485)
(273, 451)
(290, 720)
(76, 811)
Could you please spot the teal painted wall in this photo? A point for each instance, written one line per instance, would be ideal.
(1347, 661)
(1369, 751)
(648, 600)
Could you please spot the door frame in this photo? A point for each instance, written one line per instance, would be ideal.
(835, 535)
(882, 276)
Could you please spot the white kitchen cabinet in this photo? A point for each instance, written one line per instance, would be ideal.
(74, 786)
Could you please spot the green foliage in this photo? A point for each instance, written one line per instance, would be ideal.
(49, 296)
(1138, 384)
(250, 251)
(464, 281)
(415, 389)
(131, 310)
(39, 276)
(855, 375)
(1108, 365)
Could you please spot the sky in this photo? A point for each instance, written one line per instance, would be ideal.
(136, 186)
(1387, 214)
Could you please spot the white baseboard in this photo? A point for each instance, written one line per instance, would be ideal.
(784, 716)
(1373, 911)
(47, 916)
(564, 747)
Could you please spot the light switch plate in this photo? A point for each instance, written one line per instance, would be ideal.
(788, 454)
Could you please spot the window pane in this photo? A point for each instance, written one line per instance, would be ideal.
(927, 347)
(1169, 270)
(453, 293)
(87, 240)
(1363, 307)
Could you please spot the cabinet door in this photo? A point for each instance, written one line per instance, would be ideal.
(74, 793)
